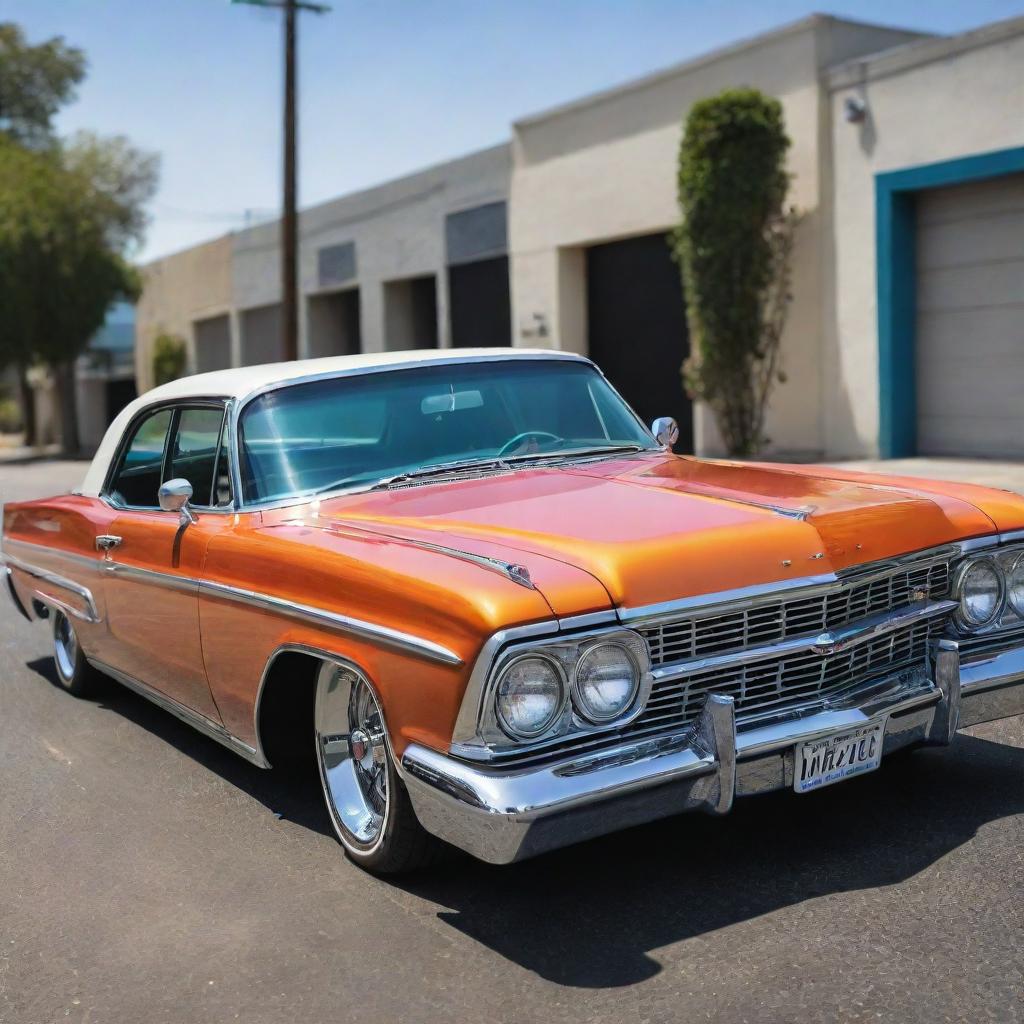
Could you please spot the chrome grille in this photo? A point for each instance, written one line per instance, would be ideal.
(804, 680)
(773, 684)
(772, 621)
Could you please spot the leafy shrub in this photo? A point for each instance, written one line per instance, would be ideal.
(10, 416)
(169, 358)
(734, 247)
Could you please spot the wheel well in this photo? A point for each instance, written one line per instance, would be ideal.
(285, 721)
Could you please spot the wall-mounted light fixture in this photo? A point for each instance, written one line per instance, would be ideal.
(535, 326)
(855, 110)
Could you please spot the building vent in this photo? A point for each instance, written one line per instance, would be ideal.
(477, 234)
(336, 264)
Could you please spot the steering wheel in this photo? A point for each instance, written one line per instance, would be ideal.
(513, 442)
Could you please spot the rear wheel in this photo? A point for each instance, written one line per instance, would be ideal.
(369, 807)
(74, 673)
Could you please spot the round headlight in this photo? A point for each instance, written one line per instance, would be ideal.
(981, 593)
(1015, 585)
(531, 694)
(606, 682)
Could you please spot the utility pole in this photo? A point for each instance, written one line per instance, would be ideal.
(289, 213)
(289, 205)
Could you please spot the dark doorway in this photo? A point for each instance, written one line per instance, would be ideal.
(262, 335)
(410, 313)
(213, 343)
(332, 324)
(636, 322)
(481, 311)
(119, 394)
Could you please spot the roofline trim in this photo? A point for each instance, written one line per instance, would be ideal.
(919, 52)
(805, 24)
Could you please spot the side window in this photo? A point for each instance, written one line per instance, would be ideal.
(194, 452)
(138, 477)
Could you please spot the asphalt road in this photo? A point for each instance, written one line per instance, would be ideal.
(147, 875)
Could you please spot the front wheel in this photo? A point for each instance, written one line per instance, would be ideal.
(74, 673)
(369, 807)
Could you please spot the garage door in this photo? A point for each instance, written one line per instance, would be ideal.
(970, 319)
(479, 303)
(636, 326)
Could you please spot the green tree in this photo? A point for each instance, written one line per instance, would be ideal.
(35, 81)
(734, 248)
(67, 218)
(169, 357)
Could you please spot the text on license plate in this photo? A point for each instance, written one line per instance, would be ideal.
(833, 758)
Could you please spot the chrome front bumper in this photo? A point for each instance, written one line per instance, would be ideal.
(504, 815)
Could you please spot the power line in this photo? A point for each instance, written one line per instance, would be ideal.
(251, 215)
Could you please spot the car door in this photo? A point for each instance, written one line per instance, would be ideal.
(153, 559)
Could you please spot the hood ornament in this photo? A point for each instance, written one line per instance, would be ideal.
(514, 571)
(519, 574)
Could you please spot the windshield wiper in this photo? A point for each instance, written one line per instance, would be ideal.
(441, 469)
(438, 469)
(575, 453)
(460, 465)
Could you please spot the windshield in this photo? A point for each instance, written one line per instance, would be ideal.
(358, 430)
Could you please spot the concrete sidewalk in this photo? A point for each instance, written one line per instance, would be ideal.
(18, 454)
(989, 473)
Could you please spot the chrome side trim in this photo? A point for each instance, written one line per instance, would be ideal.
(510, 570)
(14, 594)
(206, 726)
(333, 620)
(827, 643)
(154, 576)
(308, 613)
(73, 557)
(91, 613)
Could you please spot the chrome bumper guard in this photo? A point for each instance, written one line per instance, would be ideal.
(505, 815)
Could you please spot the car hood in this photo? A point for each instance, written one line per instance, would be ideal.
(654, 528)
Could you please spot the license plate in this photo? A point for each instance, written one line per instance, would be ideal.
(837, 757)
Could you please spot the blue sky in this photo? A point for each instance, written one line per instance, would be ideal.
(387, 86)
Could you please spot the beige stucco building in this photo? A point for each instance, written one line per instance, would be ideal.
(925, 349)
(182, 293)
(559, 239)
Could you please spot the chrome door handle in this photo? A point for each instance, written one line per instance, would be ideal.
(107, 542)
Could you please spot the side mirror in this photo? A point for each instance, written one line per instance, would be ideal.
(174, 496)
(666, 431)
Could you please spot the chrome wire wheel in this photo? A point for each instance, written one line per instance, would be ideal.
(65, 646)
(352, 752)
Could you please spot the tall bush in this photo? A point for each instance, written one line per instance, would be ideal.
(734, 247)
(168, 358)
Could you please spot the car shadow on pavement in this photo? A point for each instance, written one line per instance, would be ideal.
(291, 792)
(587, 916)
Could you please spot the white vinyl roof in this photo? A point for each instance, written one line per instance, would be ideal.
(243, 381)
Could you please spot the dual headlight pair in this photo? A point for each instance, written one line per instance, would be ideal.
(599, 682)
(985, 585)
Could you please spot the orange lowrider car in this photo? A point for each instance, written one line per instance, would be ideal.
(501, 611)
